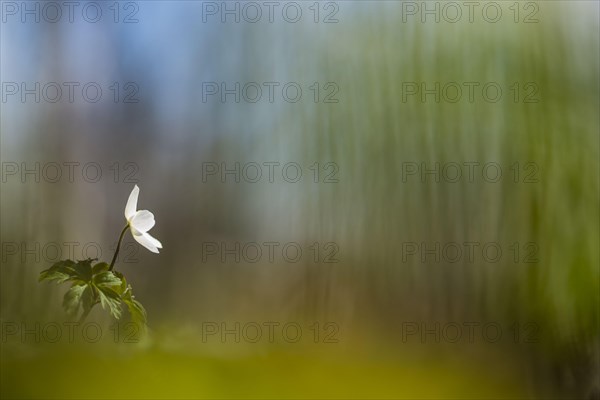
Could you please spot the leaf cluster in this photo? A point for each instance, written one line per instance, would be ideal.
(93, 284)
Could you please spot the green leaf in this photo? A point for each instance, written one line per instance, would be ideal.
(110, 301)
(109, 287)
(121, 290)
(78, 295)
(60, 272)
(136, 309)
(106, 279)
(137, 312)
(57, 276)
(83, 270)
(88, 300)
(101, 266)
(92, 285)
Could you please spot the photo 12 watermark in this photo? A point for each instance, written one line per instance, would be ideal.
(69, 332)
(469, 252)
(469, 332)
(270, 332)
(50, 252)
(469, 172)
(70, 92)
(69, 172)
(69, 12)
(270, 92)
(452, 12)
(272, 252)
(269, 172)
(255, 12)
(469, 92)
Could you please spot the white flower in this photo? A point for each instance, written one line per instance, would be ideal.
(140, 222)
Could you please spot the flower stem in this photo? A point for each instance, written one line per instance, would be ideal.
(112, 263)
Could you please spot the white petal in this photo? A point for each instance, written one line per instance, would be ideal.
(153, 240)
(132, 203)
(142, 221)
(148, 242)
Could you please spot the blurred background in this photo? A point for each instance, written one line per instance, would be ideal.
(361, 312)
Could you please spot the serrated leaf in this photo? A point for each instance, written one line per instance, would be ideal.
(83, 270)
(57, 276)
(106, 279)
(123, 287)
(137, 313)
(60, 272)
(136, 309)
(100, 267)
(110, 301)
(78, 295)
(92, 285)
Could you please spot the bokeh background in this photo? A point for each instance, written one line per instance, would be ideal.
(548, 309)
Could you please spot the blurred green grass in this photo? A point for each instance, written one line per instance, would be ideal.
(66, 372)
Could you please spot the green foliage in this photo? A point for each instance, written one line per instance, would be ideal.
(76, 296)
(136, 310)
(95, 284)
